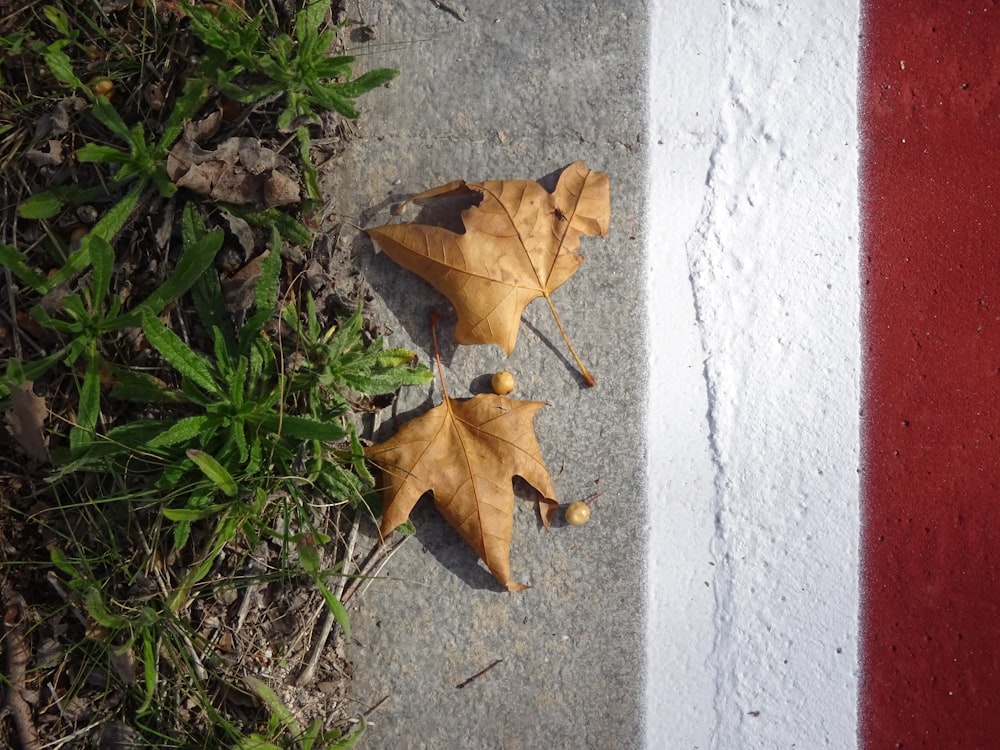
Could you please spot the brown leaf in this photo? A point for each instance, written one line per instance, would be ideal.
(51, 158)
(199, 131)
(55, 122)
(239, 170)
(243, 233)
(239, 289)
(26, 420)
(518, 245)
(467, 452)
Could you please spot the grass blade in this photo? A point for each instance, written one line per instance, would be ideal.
(265, 293)
(93, 152)
(207, 297)
(290, 229)
(108, 116)
(278, 709)
(348, 743)
(309, 18)
(215, 471)
(309, 559)
(113, 221)
(366, 82)
(60, 66)
(182, 430)
(141, 387)
(13, 259)
(185, 108)
(192, 514)
(89, 409)
(337, 609)
(41, 206)
(149, 670)
(97, 610)
(109, 225)
(195, 259)
(102, 257)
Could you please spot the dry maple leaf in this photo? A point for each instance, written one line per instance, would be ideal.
(518, 245)
(467, 452)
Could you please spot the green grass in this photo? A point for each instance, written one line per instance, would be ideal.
(187, 428)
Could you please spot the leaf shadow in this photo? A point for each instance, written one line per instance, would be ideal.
(550, 180)
(390, 426)
(444, 211)
(441, 541)
(558, 352)
(445, 544)
(410, 299)
(438, 538)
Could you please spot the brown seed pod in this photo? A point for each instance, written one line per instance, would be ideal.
(503, 383)
(577, 513)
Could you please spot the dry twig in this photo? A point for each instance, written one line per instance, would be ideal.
(17, 668)
(307, 674)
(376, 560)
(447, 9)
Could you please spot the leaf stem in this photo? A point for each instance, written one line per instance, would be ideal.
(435, 317)
(589, 379)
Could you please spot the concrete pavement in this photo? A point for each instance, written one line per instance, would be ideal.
(514, 91)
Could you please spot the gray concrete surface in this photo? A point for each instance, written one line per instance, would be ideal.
(515, 91)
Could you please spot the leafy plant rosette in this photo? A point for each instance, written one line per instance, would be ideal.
(247, 64)
(263, 429)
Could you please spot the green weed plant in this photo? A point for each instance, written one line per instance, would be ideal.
(245, 432)
(246, 63)
(90, 316)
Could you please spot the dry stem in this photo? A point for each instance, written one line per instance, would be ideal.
(17, 668)
(307, 674)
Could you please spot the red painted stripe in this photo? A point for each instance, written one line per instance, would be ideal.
(930, 630)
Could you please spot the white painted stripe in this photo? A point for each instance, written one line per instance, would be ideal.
(755, 367)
